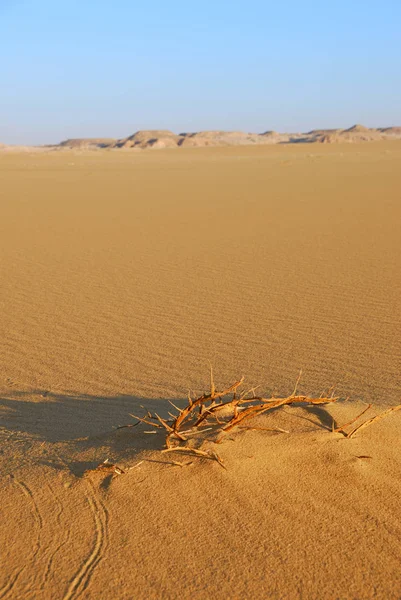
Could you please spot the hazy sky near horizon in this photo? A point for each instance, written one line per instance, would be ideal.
(95, 68)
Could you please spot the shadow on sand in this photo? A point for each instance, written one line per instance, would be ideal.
(54, 417)
(78, 431)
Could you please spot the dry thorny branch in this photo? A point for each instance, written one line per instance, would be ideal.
(222, 411)
(219, 410)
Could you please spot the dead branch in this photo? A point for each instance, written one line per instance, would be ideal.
(221, 411)
(228, 412)
(268, 404)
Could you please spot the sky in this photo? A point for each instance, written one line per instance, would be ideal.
(102, 68)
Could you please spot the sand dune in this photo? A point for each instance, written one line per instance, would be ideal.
(123, 274)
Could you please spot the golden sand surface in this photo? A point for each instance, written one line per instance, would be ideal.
(123, 275)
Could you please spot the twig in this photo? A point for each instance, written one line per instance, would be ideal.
(146, 421)
(278, 429)
(212, 386)
(296, 383)
(130, 425)
(187, 449)
(219, 460)
(337, 429)
(135, 466)
(202, 453)
(188, 432)
(164, 423)
(373, 420)
(174, 406)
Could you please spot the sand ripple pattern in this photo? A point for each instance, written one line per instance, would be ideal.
(263, 261)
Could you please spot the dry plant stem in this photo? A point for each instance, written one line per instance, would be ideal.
(186, 449)
(146, 421)
(202, 453)
(207, 408)
(135, 466)
(213, 408)
(189, 432)
(186, 412)
(174, 406)
(219, 459)
(337, 429)
(253, 411)
(296, 383)
(276, 429)
(373, 420)
(130, 425)
(210, 405)
(163, 422)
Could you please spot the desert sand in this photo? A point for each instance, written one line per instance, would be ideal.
(123, 275)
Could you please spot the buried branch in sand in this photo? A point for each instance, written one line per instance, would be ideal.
(219, 412)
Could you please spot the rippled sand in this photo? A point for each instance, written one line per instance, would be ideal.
(127, 274)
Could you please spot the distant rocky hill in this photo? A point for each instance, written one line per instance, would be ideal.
(356, 133)
(86, 143)
(167, 139)
(231, 138)
(391, 131)
(149, 139)
(145, 139)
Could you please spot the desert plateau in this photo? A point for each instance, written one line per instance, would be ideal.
(158, 139)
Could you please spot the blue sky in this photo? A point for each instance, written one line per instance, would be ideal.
(97, 68)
